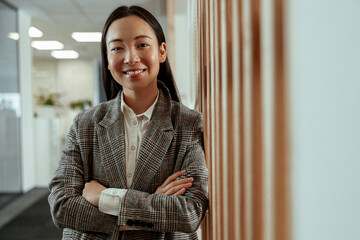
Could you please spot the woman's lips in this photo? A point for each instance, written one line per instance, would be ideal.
(133, 73)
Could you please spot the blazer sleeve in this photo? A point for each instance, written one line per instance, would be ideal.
(68, 208)
(156, 212)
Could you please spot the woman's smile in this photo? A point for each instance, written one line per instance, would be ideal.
(134, 73)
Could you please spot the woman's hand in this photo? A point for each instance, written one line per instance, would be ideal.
(92, 192)
(172, 187)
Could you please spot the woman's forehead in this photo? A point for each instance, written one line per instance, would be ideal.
(128, 28)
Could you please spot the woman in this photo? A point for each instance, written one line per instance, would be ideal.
(133, 167)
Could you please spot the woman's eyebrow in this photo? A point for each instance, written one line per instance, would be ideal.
(135, 38)
(142, 36)
(115, 40)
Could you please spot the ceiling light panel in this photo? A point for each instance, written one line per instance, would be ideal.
(14, 36)
(65, 54)
(87, 36)
(35, 33)
(47, 45)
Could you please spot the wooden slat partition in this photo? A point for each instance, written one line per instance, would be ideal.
(243, 96)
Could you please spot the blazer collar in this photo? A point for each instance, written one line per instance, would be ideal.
(111, 138)
(114, 113)
(161, 115)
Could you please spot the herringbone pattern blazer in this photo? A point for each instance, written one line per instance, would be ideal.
(95, 150)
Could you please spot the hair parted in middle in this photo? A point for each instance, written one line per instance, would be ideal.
(165, 75)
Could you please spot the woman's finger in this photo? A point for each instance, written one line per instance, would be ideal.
(177, 188)
(172, 186)
(172, 177)
(177, 183)
(180, 192)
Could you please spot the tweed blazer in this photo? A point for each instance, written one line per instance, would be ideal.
(95, 150)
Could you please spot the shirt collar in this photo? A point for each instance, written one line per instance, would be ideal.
(127, 110)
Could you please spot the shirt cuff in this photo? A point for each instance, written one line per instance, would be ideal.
(109, 201)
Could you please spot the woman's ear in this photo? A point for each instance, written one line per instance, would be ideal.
(162, 52)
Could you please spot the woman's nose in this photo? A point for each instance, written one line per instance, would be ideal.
(131, 57)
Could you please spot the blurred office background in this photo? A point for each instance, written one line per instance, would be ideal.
(278, 82)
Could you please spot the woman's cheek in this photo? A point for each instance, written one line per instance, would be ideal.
(113, 64)
(149, 56)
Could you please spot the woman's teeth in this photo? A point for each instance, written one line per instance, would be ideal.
(133, 72)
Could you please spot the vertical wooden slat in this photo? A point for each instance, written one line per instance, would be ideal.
(230, 144)
(213, 64)
(220, 116)
(281, 168)
(208, 134)
(257, 163)
(247, 101)
(267, 59)
(216, 90)
(241, 122)
(206, 232)
(241, 170)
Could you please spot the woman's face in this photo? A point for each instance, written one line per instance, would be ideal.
(133, 53)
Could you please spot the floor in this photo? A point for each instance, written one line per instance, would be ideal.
(5, 198)
(28, 217)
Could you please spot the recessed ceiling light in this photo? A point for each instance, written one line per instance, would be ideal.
(14, 36)
(65, 54)
(35, 33)
(47, 45)
(87, 36)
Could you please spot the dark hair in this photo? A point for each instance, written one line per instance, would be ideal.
(165, 75)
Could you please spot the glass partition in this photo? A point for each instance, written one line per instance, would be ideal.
(10, 104)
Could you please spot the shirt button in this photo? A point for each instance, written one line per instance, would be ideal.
(133, 148)
(129, 175)
(134, 122)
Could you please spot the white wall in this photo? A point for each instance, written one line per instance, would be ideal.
(184, 67)
(47, 149)
(76, 82)
(27, 120)
(324, 74)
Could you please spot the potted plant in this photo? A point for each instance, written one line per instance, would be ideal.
(46, 103)
(80, 105)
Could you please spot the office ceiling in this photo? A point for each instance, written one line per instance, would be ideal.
(57, 19)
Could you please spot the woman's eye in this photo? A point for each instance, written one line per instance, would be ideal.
(143, 45)
(116, 49)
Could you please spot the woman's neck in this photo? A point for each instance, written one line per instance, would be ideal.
(139, 102)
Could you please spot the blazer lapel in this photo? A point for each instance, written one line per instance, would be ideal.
(111, 137)
(155, 144)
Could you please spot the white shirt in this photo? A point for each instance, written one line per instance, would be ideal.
(135, 129)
